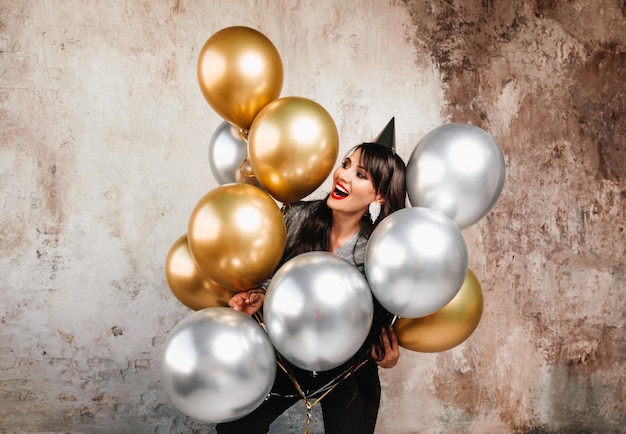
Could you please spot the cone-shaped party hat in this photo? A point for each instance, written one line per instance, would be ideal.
(387, 137)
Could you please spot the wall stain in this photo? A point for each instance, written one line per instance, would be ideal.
(67, 337)
(566, 145)
(179, 7)
(599, 100)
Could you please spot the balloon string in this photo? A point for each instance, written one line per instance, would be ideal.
(393, 320)
(330, 385)
(309, 413)
(326, 388)
(243, 133)
(259, 318)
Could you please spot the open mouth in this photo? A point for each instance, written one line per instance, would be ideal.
(340, 192)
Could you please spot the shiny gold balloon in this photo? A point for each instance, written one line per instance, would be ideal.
(293, 145)
(239, 72)
(449, 326)
(237, 235)
(188, 284)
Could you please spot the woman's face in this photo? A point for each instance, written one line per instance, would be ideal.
(353, 189)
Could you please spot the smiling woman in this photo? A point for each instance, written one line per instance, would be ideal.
(352, 180)
(370, 173)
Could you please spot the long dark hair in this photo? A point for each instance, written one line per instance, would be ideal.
(387, 172)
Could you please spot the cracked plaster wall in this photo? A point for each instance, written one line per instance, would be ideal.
(104, 134)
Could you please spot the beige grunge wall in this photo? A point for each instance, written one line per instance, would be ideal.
(104, 136)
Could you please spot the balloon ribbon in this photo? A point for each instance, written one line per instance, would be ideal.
(330, 385)
(327, 388)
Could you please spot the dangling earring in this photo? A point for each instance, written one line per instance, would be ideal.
(374, 210)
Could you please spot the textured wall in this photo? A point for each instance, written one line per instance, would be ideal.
(104, 138)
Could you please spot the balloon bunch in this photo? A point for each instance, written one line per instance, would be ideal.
(287, 146)
(219, 364)
(417, 259)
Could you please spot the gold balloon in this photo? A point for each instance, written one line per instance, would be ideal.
(188, 284)
(239, 72)
(293, 145)
(237, 235)
(449, 326)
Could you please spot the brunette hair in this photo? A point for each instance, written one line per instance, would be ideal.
(387, 172)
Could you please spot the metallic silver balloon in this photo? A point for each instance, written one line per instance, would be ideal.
(318, 310)
(457, 169)
(228, 154)
(416, 261)
(218, 365)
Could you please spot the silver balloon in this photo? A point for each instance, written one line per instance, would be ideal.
(318, 310)
(416, 262)
(457, 169)
(228, 154)
(218, 365)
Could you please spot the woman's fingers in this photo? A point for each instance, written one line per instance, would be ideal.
(237, 301)
(247, 302)
(392, 350)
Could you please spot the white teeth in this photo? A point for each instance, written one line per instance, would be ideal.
(341, 189)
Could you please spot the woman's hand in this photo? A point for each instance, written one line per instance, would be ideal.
(392, 349)
(248, 302)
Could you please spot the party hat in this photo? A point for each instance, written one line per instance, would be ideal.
(387, 137)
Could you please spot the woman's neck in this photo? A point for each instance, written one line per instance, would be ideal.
(343, 228)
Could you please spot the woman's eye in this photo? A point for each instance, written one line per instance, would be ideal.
(344, 164)
(361, 175)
